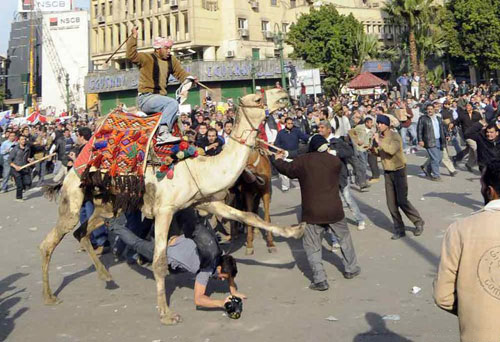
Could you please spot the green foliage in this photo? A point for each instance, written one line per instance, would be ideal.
(473, 31)
(435, 76)
(326, 40)
(409, 12)
(367, 48)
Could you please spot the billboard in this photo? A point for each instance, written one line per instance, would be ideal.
(45, 5)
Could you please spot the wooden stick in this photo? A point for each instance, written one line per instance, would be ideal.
(37, 161)
(107, 60)
(270, 145)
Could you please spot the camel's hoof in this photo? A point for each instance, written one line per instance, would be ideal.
(249, 251)
(52, 300)
(171, 319)
(272, 249)
(298, 230)
(105, 276)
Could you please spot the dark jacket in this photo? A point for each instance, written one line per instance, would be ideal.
(486, 150)
(289, 139)
(213, 151)
(465, 121)
(19, 156)
(344, 151)
(302, 124)
(425, 132)
(318, 174)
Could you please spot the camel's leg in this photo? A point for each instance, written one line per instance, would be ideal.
(95, 221)
(69, 208)
(251, 219)
(249, 202)
(266, 202)
(160, 266)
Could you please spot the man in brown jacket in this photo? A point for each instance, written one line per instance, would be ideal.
(390, 150)
(154, 71)
(468, 280)
(318, 173)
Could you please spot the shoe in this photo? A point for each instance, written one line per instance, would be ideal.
(4, 191)
(418, 230)
(364, 186)
(165, 137)
(414, 150)
(397, 236)
(285, 189)
(321, 286)
(373, 180)
(335, 246)
(424, 170)
(454, 161)
(350, 275)
(407, 151)
(361, 225)
(469, 168)
(453, 174)
(436, 179)
(20, 200)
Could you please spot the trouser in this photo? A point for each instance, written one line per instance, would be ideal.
(415, 92)
(23, 181)
(302, 100)
(99, 236)
(404, 91)
(155, 103)
(41, 169)
(435, 156)
(412, 130)
(446, 162)
(471, 150)
(359, 170)
(141, 246)
(456, 144)
(285, 182)
(373, 163)
(313, 235)
(57, 166)
(352, 204)
(396, 192)
(5, 175)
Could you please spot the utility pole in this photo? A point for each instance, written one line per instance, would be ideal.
(252, 72)
(67, 93)
(278, 41)
(31, 91)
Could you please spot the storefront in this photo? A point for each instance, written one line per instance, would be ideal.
(231, 79)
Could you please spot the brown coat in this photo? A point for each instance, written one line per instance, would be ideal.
(154, 71)
(390, 150)
(318, 174)
(469, 274)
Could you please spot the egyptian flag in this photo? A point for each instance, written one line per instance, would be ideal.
(53, 22)
(27, 5)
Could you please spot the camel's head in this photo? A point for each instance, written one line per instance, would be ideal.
(253, 106)
(276, 99)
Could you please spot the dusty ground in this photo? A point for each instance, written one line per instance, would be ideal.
(279, 305)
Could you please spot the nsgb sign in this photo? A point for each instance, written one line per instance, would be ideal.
(44, 5)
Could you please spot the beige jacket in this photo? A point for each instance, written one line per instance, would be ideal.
(468, 279)
(361, 137)
(390, 150)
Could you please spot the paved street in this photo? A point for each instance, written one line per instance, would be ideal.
(279, 305)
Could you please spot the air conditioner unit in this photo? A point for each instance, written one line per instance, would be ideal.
(268, 34)
(101, 19)
(254, 5)
(174, 3)
(243, 32)
(230, 53)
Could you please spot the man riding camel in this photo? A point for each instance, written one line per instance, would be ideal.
(154, 71)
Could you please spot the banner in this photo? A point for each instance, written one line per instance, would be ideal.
(44, 5)
(5, 117)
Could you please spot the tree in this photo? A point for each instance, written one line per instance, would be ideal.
(473, 32)
(367, 47)
(326, 40)
(410, 13)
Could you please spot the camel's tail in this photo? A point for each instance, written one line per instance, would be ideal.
(51, 191)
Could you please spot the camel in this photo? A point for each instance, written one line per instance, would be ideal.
(202, 182)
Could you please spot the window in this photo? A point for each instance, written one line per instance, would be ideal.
(186, 23)
(293, 3)
(264, 25)
(255, 54)
(284, 27)
(242, 23)
(95, 10)
(103, 9)
(274, 2)
(110, 8)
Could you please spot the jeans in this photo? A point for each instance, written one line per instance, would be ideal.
(445, 160)
(41, 169)
(358, 168)
(5, 175)
(23, 181)
(154, 103)
(404, 91)
(435, 156)
(373, 163)
(352, 204)
(99, 236)
(396, 192)
(456, 145)
(412, 129)
(313, 235)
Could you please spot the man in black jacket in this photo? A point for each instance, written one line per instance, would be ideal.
(487, 140)
(466, 119)
(432, 136)
(318, 173)
(20, 156)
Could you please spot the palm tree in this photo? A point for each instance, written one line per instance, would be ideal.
(367, 47)
(409, 13)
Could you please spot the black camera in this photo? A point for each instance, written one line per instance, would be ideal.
(234, 307)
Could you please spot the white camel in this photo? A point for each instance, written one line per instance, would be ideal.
(201, 182)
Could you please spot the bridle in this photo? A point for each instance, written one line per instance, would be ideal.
(240, 139)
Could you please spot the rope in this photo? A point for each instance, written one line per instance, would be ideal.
(194, 179)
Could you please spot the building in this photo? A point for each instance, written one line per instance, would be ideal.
(229, 33)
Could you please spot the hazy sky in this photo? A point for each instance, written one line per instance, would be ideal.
(7, 10)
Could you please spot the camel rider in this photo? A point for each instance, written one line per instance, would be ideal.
(154, 71)
(193, 248)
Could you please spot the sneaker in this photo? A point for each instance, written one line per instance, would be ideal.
(454, 161)
(335, 246)
(285, 189)
(20, 200)
(361, 225)
(425, 171)
(414, 150)
(469, 168)
(397, 236)
(418, 230)
(374, 180)
(408, 151)
(364, 187)
(350, 275)
(453, 174)
(321, 286)
(165, 137)
(436, 179)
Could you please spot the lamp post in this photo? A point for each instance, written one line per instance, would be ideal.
(278, 41)
(67, 94)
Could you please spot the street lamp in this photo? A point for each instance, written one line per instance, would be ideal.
(278, 41)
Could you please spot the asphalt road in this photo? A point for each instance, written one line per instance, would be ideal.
(279, 305)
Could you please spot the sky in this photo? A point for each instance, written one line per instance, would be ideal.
(7, 10)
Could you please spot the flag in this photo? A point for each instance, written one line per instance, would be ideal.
(5, 117)
(53, 21)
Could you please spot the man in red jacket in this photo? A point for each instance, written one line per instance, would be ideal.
(318, 173)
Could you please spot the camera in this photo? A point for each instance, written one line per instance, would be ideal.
(234, 307)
